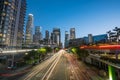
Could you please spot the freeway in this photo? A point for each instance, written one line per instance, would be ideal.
(62, 66)
(43, 69)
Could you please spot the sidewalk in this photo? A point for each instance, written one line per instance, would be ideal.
(7, 73)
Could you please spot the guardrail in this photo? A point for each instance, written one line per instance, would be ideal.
(104, 61)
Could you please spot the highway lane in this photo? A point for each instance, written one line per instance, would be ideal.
(39, 72)
(81, 71)
(69, 68)
(61, 71)
(62, 66)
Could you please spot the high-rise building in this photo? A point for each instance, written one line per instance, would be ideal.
(72, 33)
(37, 36)
(12, 15)
(57, 36)
(66, 38)
(47, 36)
(90, 38)
(66, 35)
(29, 30)
(51, 38)
(37, 29)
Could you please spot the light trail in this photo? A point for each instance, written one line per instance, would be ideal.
(43, 66)
(50, 70)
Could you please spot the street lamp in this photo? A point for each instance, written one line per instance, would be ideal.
(26, 53)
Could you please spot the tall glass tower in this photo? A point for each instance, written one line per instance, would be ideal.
(72, 33)
(57, 36)
(29, 30)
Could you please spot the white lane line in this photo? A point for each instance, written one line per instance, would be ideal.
(39, 68)
(50, 70)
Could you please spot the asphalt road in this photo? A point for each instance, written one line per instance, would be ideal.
(61, 66)
(61, 71)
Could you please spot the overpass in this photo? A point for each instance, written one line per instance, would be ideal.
(10, 52)
(111, 65)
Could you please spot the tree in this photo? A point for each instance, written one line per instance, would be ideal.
(81, 53)
(31, 56)
(42, 52)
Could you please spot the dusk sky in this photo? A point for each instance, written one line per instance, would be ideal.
(87, 16)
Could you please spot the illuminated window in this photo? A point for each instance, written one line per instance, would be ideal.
(5, 31)
(13, 7)
(0, 35)
(4, 35)
(6, 2)
(9, 4)
(3, 14)
(3, 39)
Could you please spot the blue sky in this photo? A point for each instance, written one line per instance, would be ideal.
(87, 16)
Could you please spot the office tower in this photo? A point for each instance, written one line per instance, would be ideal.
(51, 38)
(29, 30)
(47, 36)
(57, 36)
(90, 38)
(72, 33)
(12, 16)
(47, 40)
(37, 36)
(66, 35)
(66, 39)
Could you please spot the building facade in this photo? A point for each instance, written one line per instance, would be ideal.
(47, 40)
(102, 38)
(75, 42)
(57, 36)
(90, 39)
(66, 39)
(12, 16)
(72, 33)
(29, 30)
(66, 35)
(37, 36)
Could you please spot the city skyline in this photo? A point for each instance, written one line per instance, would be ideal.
(87, 16)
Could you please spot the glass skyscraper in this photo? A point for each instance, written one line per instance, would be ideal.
(72, 33)
(29, 30)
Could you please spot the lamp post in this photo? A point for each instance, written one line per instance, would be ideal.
(26, 53)
(12, 65)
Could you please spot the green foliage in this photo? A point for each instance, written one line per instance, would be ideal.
(74, 50)
(31, 56)
(80, 52)
(57, 49)
(48, 49)
(42, 51)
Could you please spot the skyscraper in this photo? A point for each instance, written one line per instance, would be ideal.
(51, 38)
(29, 30)
(57, 36)
(90, 38)
(72, 33)
(37, 29)
(37, 36)
(12, 14)
(66, 35)
(47, 36)
(66, 39)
